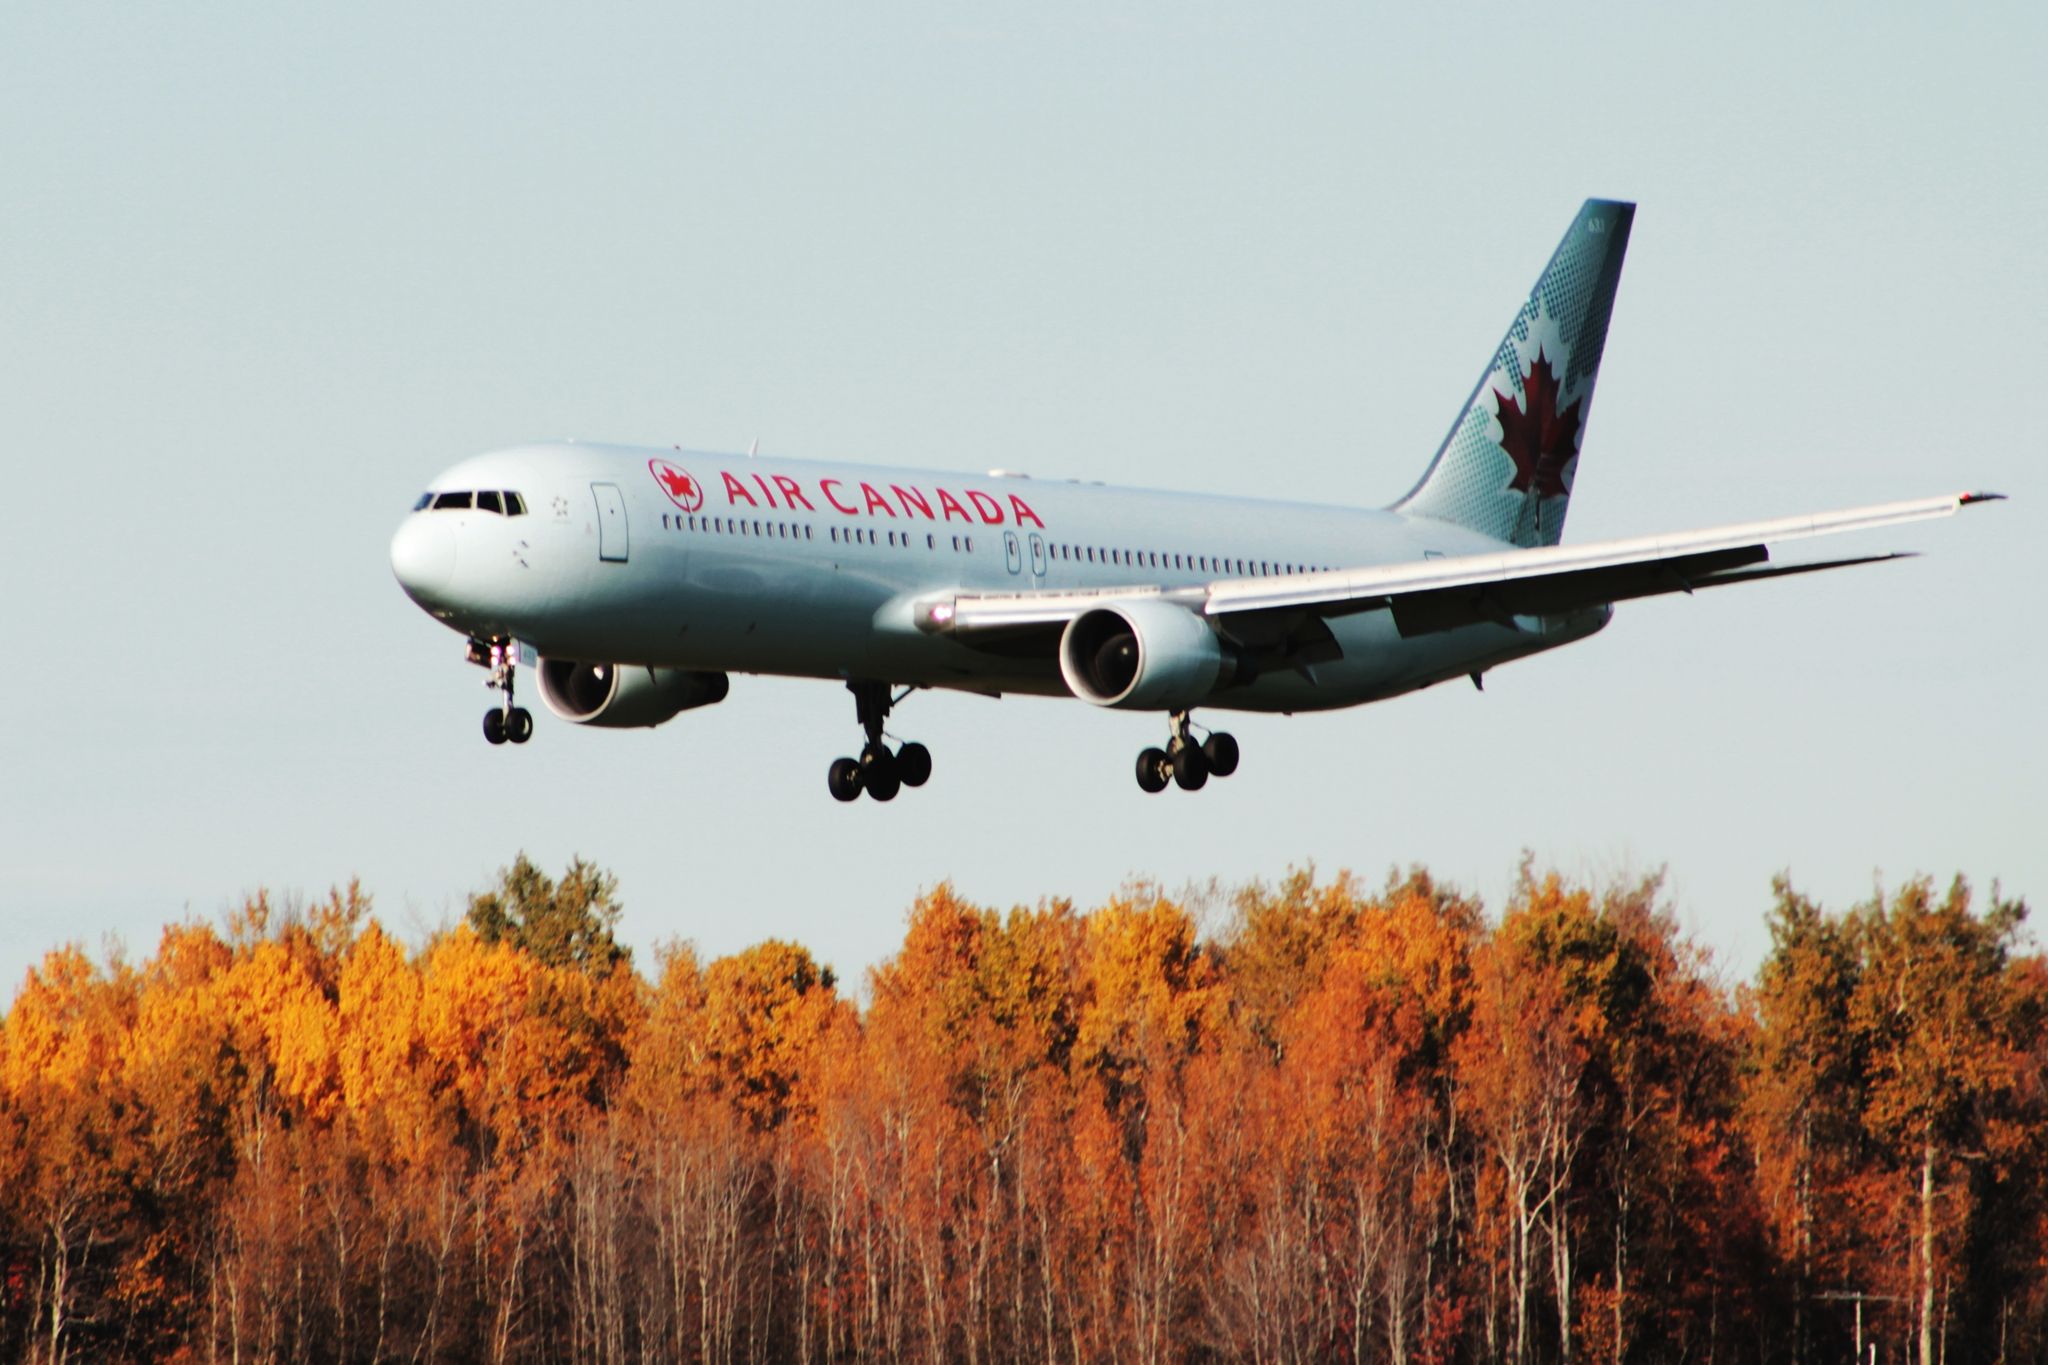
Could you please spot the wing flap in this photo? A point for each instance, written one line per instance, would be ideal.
(1376, 585)
(1446, 609)
(1442, 594)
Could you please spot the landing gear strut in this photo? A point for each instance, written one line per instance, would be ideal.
(878, 771)
(1185, 763)
(503, 721)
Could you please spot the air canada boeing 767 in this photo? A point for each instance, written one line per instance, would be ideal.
(636, 580)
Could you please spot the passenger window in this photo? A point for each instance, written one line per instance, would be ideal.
(451, 502)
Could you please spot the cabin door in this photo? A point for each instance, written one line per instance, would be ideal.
(611, 522)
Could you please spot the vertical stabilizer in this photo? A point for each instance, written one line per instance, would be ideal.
(1508, 465)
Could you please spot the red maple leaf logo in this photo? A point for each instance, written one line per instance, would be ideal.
(684, 491)
(1539, 439)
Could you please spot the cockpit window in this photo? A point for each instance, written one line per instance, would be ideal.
(501, 501)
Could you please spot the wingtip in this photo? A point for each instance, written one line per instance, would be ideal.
(1967, 498)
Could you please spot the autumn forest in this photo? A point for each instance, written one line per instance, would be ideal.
(1320, 1122)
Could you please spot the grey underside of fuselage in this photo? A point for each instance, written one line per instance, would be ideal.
(792, 593)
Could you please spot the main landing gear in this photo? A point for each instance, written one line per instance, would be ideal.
(503, 721)
(1187, 764)
(878, 771)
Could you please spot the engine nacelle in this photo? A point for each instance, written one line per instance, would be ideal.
(1141, 655)
(624, 695)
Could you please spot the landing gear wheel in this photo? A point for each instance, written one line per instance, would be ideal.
(844, 779)
(1221, 751)
(914, 764)
(879, 771)
(503, 721)
(1152, 766)
(1190, 769)
(880, 776)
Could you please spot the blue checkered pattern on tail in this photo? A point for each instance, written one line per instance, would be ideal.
(1507, 467)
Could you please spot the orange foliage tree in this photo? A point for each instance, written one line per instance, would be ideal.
(1352, 1124)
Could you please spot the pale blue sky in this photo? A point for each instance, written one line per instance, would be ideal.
(264, 269)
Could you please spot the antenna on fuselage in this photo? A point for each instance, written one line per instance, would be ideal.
(754, 449)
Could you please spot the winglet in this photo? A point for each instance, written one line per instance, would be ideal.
(1966, 499)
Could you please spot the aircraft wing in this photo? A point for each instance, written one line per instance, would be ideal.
(1441, 594)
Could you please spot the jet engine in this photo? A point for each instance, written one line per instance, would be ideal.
(1141, 655)
(620, 696)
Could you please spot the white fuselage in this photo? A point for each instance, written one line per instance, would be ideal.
(734, 564)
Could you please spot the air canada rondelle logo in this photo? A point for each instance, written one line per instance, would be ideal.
(684, 491)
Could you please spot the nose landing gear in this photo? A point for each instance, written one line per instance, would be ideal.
(504, 721)
(1185, 763)
(878, 771)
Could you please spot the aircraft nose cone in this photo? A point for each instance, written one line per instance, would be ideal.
(423, 556)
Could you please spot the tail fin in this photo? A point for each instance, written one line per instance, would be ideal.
(1507, 467)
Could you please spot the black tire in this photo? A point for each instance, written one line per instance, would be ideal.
(1221, 751)
(1190, 769)
(494, 726)
(519, 726)
(882, 780)
(843, 777)
(914, 764)
(1152, 769)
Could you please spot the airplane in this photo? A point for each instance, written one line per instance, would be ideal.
(637, 581)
